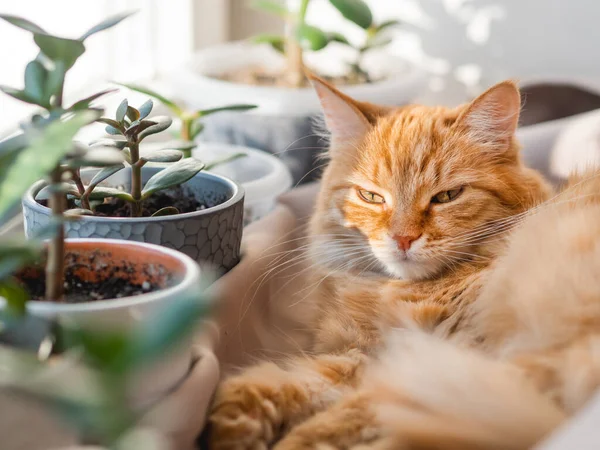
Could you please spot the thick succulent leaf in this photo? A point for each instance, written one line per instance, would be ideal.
(22, 23)
(101, 192)
(60, 49)
(113, 123)
(19, 95)
(356, 11)
(162, 156)
(274, 40)
(133, 114)
(112, 130)
(106, 23)
(377, 41)
(16, 253)
(35, 81)
(146, 108)
(239, 107)
(116, 143)
(121, 111)
(174, 175)
(162, 123)
(104, 173)
(16, 297)
(40, 157)
(55, 79)
(338, 37)
(166, 211)
(65, 188)
(387, 24)
(85, 103)
(271, 6)
(75, 212)
(311, 38)
(132, 126)
(141, 126)
(165, 101)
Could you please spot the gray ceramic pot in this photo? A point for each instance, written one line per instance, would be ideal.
(209, 236)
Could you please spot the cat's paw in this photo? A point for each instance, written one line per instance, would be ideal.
(244, 416)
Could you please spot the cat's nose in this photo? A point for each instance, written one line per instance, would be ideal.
(404, 242)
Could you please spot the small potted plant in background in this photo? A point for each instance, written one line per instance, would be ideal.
(263, 176)
(268, 70)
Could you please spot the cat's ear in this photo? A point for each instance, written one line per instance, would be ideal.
(346, 119)
(492, 118)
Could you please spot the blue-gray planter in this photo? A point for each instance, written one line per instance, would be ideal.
(212, 235)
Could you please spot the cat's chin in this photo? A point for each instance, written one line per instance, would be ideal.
(410, 270)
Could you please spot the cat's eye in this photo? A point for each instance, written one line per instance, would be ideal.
(370, 197)
(446, 196)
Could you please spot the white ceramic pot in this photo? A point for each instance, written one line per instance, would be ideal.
(263, 176)
(176, 274)
(282, 123)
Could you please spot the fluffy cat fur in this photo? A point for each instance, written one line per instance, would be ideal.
(472, 323)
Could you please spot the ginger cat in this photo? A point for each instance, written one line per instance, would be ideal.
(459, 306)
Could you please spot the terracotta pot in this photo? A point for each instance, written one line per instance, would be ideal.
(100, 259)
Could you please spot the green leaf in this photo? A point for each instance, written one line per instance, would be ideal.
(40, 157)
(271, 6)
(196, 129)
(85, 103)
(162, 156)
(65, 188)
(174, 175)
(19, 95)
(311, 38)
(141, 126)
(166, 211)
(35, 81)
(103, 174)
(112, 130)
(22, 23)
(162, 123)
(179, 144)
(274, 40)
(113, 123)
(106, 142)
(225, 160)
(101, 192)
(338, 37)
(105, 24)
(377, 41)
(16, 297)
(133, 113)
(239, 107)
(146, 108)
(60, 49)
(121, 111)
(56, 79)
(102, 350)
(356, 11)
(165, 101)
(75, 212)
(387, 24)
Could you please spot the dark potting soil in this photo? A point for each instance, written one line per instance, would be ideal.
(185, 202)
(113, 283)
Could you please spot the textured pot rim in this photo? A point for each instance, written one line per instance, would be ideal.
(238, 195)
(190, 281)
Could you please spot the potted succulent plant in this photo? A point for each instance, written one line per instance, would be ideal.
(268, 71)
(95, 284)
(263, 176)
(198, 213)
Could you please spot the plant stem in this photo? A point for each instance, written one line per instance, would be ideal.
(186, 135)
(293, 50)
(55, 268)
(83, 198)
(136, 181)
